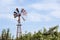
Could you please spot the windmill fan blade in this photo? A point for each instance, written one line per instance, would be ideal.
(23, 18)
(15, 14)
(17, 10)
(24, 12)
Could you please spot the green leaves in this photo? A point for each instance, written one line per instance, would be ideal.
(53, 34)
(5, 35)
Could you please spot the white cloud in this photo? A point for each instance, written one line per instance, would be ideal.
(50, 1)
(44, 6)
(46, 18)
(21, 1)
(6, 1)
(6, 16)
(56, 13)
(36, 17)
(48, 5)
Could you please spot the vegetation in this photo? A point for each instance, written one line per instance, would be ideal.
(51, 34)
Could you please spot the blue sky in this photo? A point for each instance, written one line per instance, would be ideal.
(40, 14)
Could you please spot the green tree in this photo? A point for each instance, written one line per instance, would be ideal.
(5, 35)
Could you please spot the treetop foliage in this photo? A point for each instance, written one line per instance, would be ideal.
(51, 34)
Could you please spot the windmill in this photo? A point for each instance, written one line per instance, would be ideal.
(19, 14)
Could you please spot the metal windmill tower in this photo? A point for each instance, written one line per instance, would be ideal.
(19, 14)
